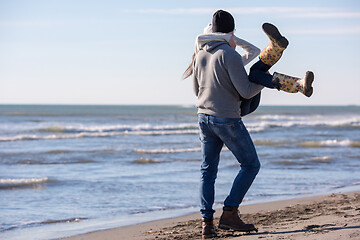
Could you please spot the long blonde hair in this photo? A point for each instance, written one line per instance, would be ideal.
(190, 70)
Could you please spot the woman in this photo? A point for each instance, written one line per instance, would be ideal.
(259, 71)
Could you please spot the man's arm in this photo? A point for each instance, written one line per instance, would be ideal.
(239, 77)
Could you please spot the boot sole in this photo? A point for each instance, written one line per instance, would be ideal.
(227, 227)
(209, 236)
(308, 80)
(273, 33)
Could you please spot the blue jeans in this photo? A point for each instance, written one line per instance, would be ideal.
(214, 133)
(258, 74)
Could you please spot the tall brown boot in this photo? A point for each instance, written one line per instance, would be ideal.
(208, 229)
(230, 219)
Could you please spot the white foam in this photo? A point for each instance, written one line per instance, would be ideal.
(13, 182)
(335, 142)
(170, 150)
(96, 134)
(307, 121)
(331, 143)
(323, 158)
(116, 128)
(260, 123)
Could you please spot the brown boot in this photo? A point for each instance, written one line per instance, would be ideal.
(230, 220)
(208, 229)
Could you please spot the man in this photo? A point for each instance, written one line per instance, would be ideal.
(220, 82)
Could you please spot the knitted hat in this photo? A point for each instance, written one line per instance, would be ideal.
(223, 22)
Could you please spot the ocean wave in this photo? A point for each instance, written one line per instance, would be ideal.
(58, 151)
(323, 159)
(269, 121)
(68, 220)
(38, 114)
(164, 150)
(117, 128)
(52, 162)
(10, 183)
(289, 162)
(40, 160)
(45, 222)
(24, 137)
(269, 143)
(146, 161)
(331, 143)
(68, 132)
(256, 124)
(253, 128)
(302, 162)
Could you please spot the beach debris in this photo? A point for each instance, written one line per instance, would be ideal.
(154, 231)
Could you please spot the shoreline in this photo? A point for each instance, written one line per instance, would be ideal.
(327, 217)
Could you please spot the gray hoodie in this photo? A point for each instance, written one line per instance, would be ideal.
(220, 79)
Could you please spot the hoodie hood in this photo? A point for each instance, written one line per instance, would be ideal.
(209, 41)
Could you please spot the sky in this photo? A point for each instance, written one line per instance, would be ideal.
(135, 52)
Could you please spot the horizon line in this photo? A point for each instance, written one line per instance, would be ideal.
(154, 104)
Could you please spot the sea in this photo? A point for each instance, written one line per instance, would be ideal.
(71, 169)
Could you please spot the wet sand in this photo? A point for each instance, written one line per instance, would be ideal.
(335, 216)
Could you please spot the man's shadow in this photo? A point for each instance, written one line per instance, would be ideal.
(310, 228)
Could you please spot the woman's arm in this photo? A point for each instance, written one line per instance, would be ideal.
(251, 51)
(195, 81)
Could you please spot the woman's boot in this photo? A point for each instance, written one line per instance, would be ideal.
(278, 43)
(294, 84)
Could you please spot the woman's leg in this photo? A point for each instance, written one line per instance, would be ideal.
(293, 84)
(268, 57)
(262, 77)
(278, 43)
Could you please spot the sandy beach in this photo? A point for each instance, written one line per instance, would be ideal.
(334, 216)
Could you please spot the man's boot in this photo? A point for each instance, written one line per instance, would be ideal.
(230, 220)
(294, 84)
(208, 229)
(273, 51)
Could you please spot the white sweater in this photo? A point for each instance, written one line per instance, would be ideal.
(251, 51)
